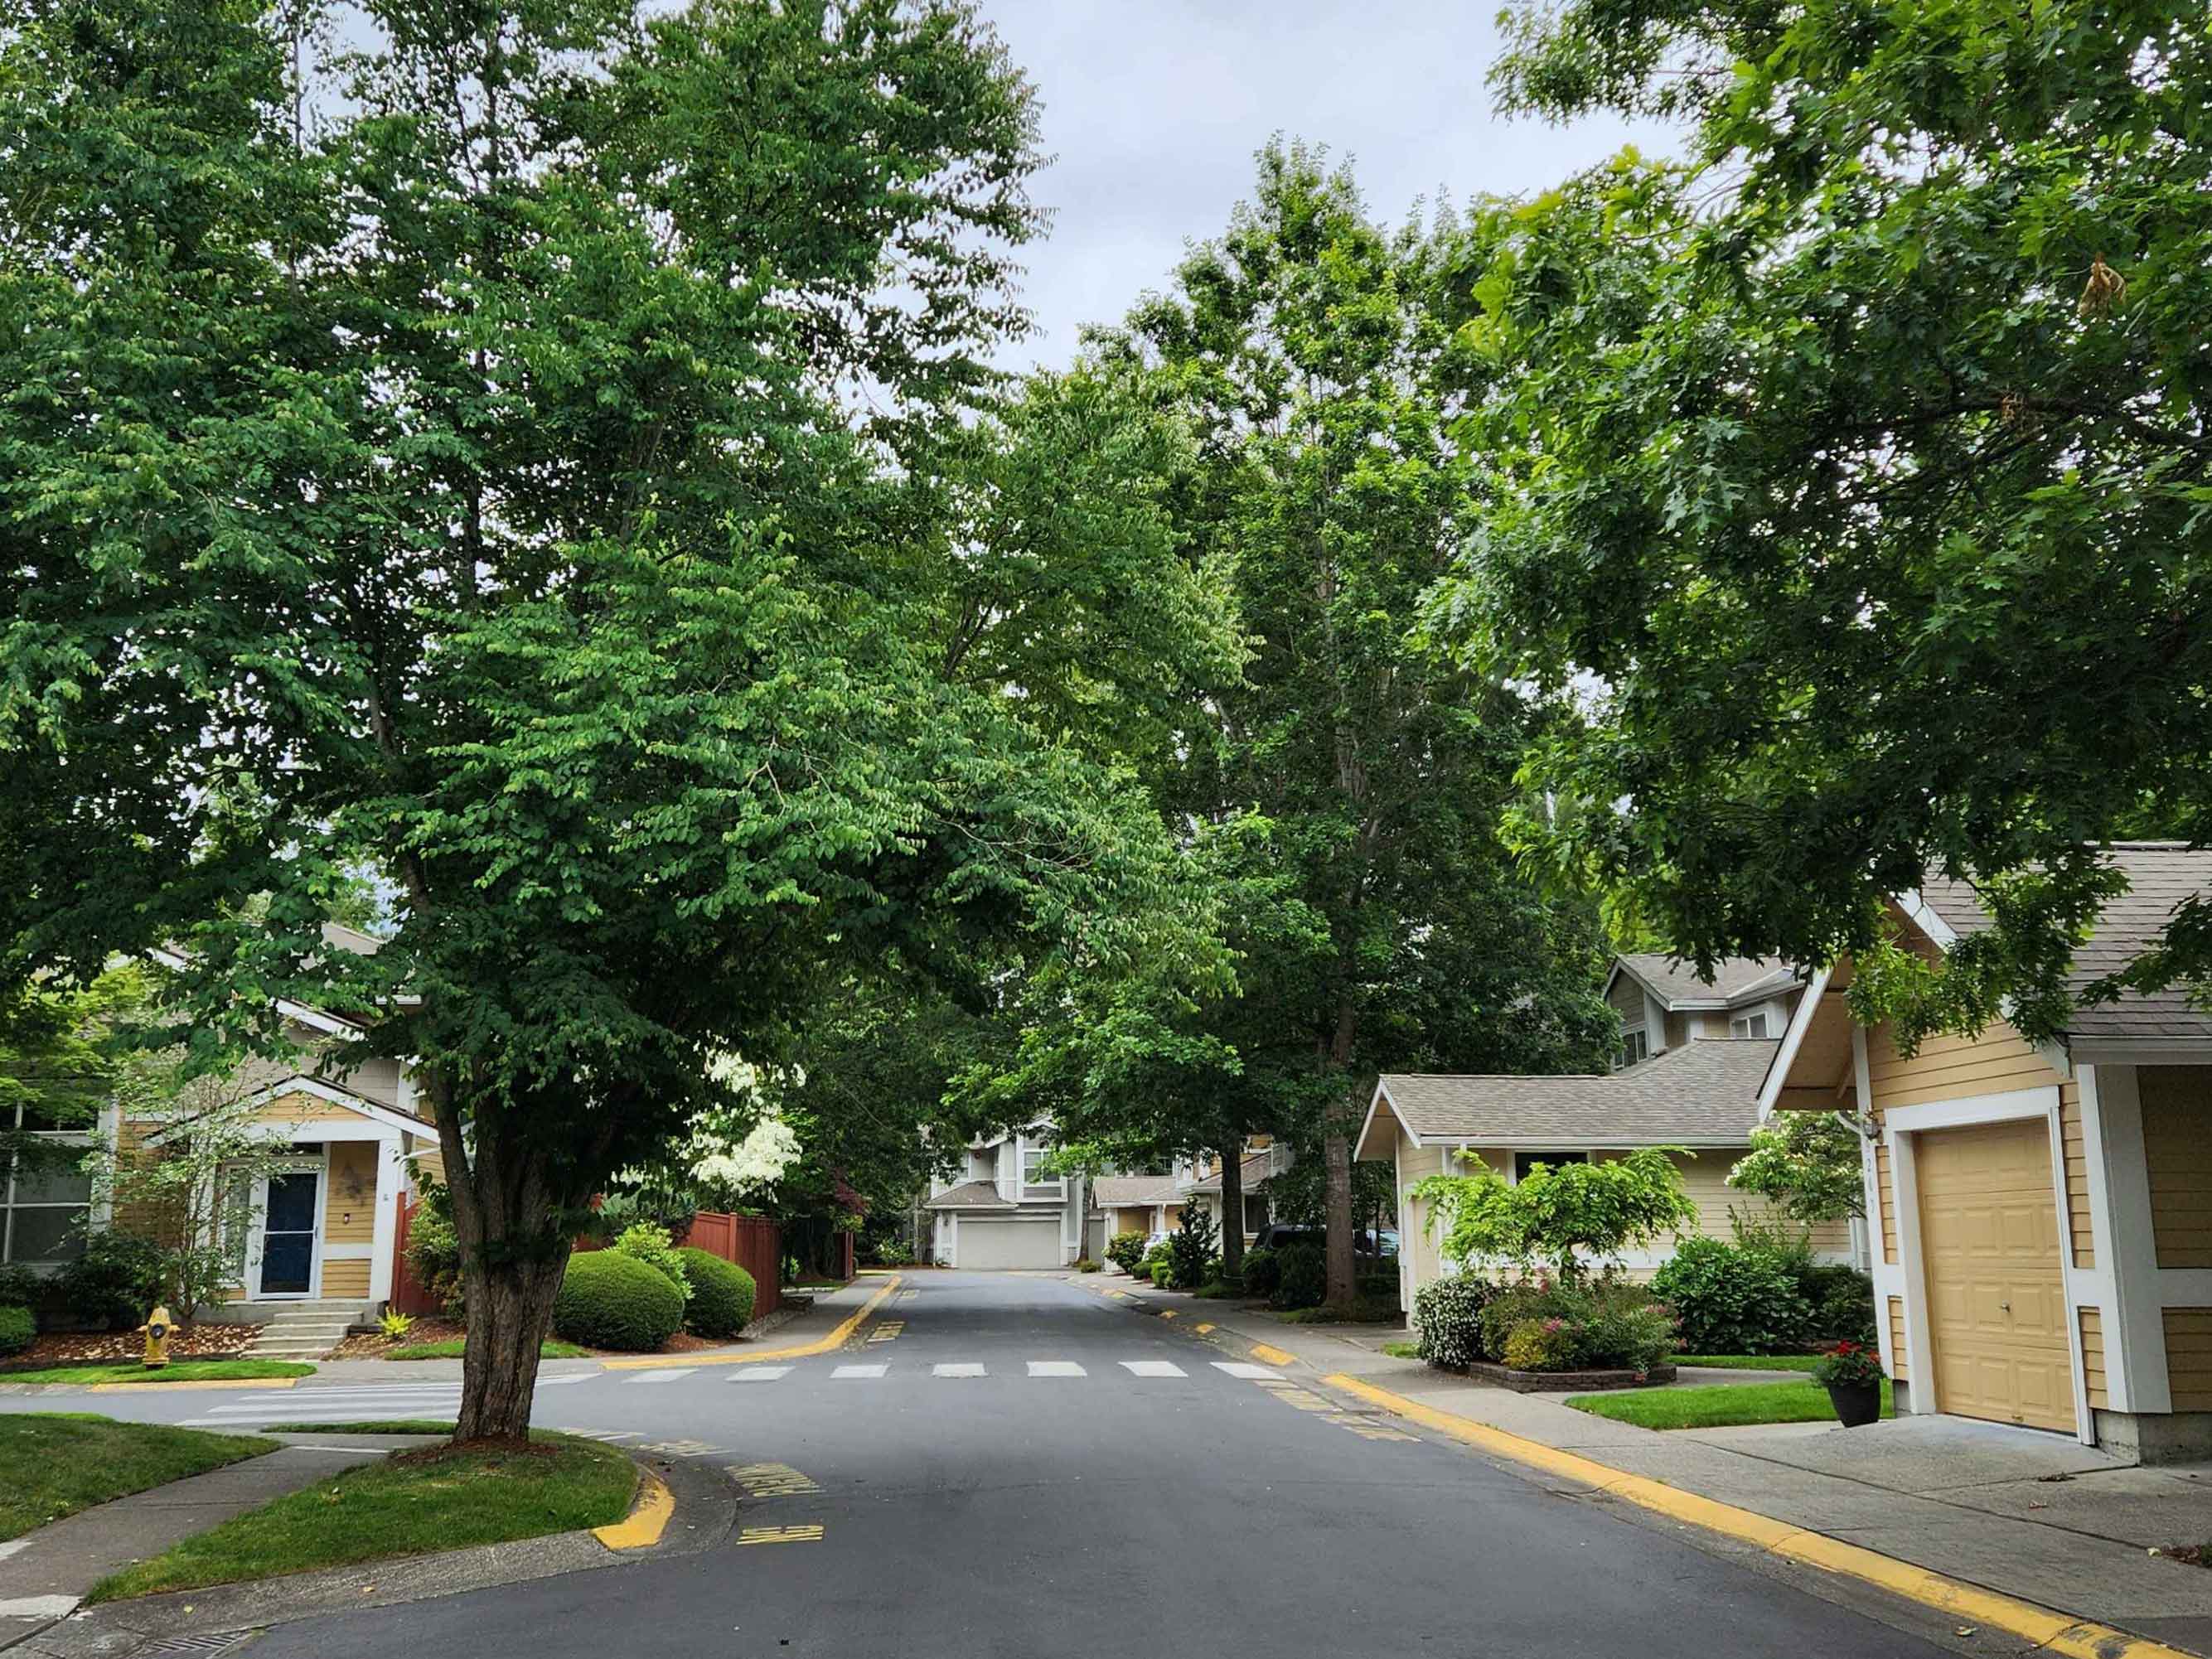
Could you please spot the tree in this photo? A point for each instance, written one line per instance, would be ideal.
(1304, 350)
(483, 499)
(1561, 1215)
(1859, 465)
(1808, 1163)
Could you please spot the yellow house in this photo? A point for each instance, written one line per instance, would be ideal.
(1691, 1093)
(2045, 1212)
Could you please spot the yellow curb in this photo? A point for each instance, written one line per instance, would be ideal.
(807, 1351)
(209, 1383)
(647, 1519)
(1167, 1313)
(1261, 1352)
(2050, 1632)
(1202, 1329)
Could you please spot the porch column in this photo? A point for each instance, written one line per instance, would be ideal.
(2127, 1251)
(390, 1185)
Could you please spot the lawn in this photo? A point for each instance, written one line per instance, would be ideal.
(409, 1426)
(414, 1503)
(1747, 1361)
(177, 1371)
(1725, 1405)
(55, 1463)
(454, 1347)
(1402, 1350)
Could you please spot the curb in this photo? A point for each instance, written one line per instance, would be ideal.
(1205, 1330)
(828, 1344)
(2050, 1632)
(649, 1515)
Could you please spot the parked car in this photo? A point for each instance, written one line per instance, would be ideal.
(1283, 1235)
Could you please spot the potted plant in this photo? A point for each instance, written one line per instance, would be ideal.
(1851, 1373)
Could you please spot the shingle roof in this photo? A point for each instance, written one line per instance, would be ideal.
(1704, 1092)
(1256, 1176)
(970, 1195)
(1735, 979)
(2161, 875)
(1107, 1191)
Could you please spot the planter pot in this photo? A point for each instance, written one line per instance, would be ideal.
(1857, 1403)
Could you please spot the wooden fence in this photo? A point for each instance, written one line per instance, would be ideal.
(754, 1244)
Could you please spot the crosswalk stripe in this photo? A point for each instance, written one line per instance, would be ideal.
(957, 1371)
(1057, 1367)
(1249, 1373)
(1153, 1368)
(669, 1375)
(851, 1372)
(760, 1373)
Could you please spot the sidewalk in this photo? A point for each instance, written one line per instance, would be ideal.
(44, 1574)
(2033, 1515)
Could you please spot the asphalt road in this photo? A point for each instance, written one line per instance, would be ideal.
(1084, 1480)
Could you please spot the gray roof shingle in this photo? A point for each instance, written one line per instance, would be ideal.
(1735, 979)
(2161, 875)
(970, 1195)
(1254, 1169)
(1702, 1093)
(1107, 1191)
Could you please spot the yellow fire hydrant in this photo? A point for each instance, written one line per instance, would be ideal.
(156, 1330)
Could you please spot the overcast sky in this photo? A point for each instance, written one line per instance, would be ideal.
(1153, 108)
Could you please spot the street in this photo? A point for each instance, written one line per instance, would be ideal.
(1011, 1464)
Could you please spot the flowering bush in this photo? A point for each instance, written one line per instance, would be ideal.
(1543, 1345)
(1125, 1251)
(1603, 1324)
(1448, 1313)
(1849, 1365)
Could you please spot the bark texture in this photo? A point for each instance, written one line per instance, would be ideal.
(1232, 1212)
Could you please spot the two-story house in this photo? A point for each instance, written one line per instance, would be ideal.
(1002, 1209)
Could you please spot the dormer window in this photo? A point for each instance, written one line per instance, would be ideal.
(1749, 1025)
(1635, 1045)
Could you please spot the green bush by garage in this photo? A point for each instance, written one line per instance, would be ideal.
(722, 1294)
(609, 1300)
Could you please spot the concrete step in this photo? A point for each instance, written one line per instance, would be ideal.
(290, 1350)
(308, 1327)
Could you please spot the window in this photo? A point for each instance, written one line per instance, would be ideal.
(1035, 1179)
(1751, 1025)
(45, 1200)
(1634, 1046)
(1524, 1161)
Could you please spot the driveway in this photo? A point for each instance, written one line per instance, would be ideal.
(1008, 1464)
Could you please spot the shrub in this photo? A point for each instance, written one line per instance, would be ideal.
(433, 1249)
(116, 1282)
(1163, 1271)
(1543, 1345)
(1628, 1335)
(1842, 1300)
(1085, 1265)
(1734, 1298)
(722, 1294)
(1125, 1251)
(17, 1328)
(1601, 1324)
(1302, 1280)
(650, 1243)
(395, 1325)
(891, 1253)
(22, 1288)
(609, 1299)
(1449, 1313)
(1263, 1270)
(1191, 1247)
(1376, 1287)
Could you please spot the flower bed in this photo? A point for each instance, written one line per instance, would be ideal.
(1567, 1382)
(205, 1340)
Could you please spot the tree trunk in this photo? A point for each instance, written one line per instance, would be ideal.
(1232, 1214)
(510, 1309)
(1336, 1167)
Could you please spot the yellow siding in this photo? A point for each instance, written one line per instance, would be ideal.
(350, 1195)
(2093, 1357)
(2082, 1233)
(2188, 1357)
(2177, 1124)
(345, 1281)
(1415, 1164)
(1897, 1364)
(304, 1109)
(1886, 1190)
(1952, 1067)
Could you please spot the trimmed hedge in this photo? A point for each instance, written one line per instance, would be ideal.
(1731, 1299)
(610, 1300)
(17, 1328)
(1447, 1313)
(722, 1294)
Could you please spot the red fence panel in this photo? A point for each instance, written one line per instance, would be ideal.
(409, 1295)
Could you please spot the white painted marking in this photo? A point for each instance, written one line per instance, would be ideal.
(1057, 1367)
(964, 1368)
(669, 1375)
(12, 1545)
(38, 1607)
(761, 1373)
(1249, 1373)
(849, 1372)
(1153, 1368)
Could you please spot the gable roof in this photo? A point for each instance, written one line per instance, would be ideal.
(303, 1083)
(1702, 1094)
(1109, 1191)
(1737, 980)
(971, 1195)
(2161, 874)
(1255, 1170)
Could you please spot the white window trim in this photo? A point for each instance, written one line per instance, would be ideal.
(97, 1211)
(1056, 1187)
(1642, 1034)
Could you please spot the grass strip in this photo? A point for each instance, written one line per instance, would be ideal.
(454, 1346)
(55, 1463)
(414, 1503)
(177, 1371)
(1746, 1362)
(1402, 1350)
(1725, 1405)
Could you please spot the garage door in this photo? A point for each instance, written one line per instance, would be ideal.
(1997, 1300)
(1006, 1244)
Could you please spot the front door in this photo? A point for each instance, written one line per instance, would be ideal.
(288, 1233)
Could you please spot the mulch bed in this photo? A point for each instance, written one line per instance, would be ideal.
(208, 1341)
